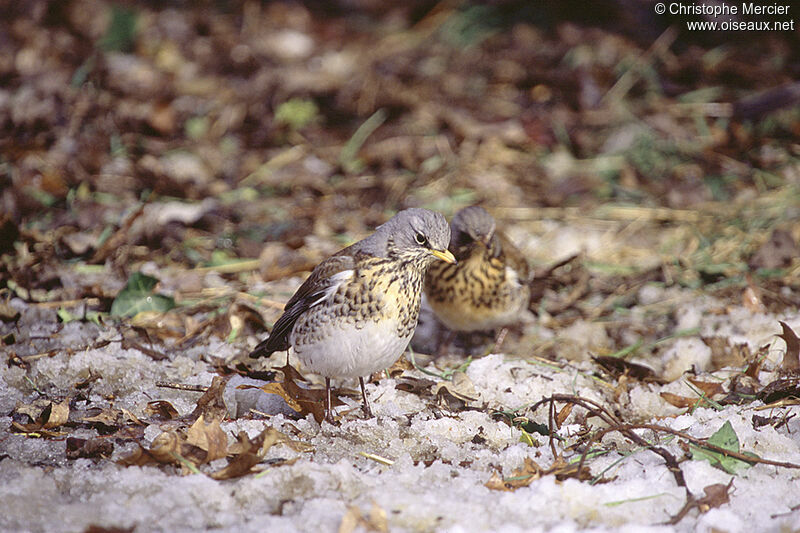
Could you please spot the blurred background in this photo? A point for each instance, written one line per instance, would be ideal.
(251, 139)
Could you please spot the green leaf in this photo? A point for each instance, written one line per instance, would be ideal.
(138, 296)
(296, 113)
(121, 32)
(725, 437)
(65, 316)
(95, 317)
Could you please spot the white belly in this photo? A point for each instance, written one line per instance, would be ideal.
(352, 352)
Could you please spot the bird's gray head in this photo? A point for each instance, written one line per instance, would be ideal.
(414, 230)
(472, 224)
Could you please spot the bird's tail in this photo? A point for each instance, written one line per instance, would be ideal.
(269, 345)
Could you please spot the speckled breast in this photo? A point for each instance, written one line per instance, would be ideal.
(365, 325)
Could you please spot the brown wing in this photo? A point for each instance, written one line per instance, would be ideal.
(513, 257)
(310, 293)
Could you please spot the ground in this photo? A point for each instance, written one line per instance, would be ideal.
(170, 174)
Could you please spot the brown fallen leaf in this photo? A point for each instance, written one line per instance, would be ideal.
(34, 409)
(208, 437)
(523, 476)
(415, 385)
(681, 402)
(211, 404)
(247, 453)
(399, 366)
(58, 415)
(138, 457)
(563, 414)
(791, 359)
(618, 366)
(89, 448)
(167, 325)
(44, 414)
(108, 417)
(166, 447)
(724, 353)
(780, 389)
(456, 394)
(161, 409)
(709, 388)
(8, 313)
(304, 400)
(754, 366)
(717, 495)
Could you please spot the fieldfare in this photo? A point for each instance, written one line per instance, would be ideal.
(357, 311)
(489, 287)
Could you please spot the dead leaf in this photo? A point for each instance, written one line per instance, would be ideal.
(791, 359)
(131, 418)
(166, 447)
(456, 394)
(618, 366)
(304, 400)
(44, 414)
(209, 438)
(496, 483)
(399, 366)
(8, 313)
(754, 366)
(161, 409)
(33, 410)
(247, 453)
(780, 389)
(681, 402)
(563, 414)
(138, 457)
(523, 476)
(562, 470)
(414, 385)
(167, 325)
(107, 416)
(710, 389)
(89, 448)
(726, 354)
(716, 496)
(211, 405)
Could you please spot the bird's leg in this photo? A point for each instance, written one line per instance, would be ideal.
(328, 413)
(498, 341)
(367, 410)
(445, 343)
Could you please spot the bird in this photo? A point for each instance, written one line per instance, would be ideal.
(488, 287)
(358, 309)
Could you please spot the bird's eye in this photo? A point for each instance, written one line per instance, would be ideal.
(421, 239)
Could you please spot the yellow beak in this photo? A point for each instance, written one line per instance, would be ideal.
(445, 256)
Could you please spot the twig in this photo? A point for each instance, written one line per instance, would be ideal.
(67, 303)
(181, 386)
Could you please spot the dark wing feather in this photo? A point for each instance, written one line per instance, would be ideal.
(513, 257)
(312, 289)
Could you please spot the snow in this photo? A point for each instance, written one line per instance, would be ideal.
(441, 459)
